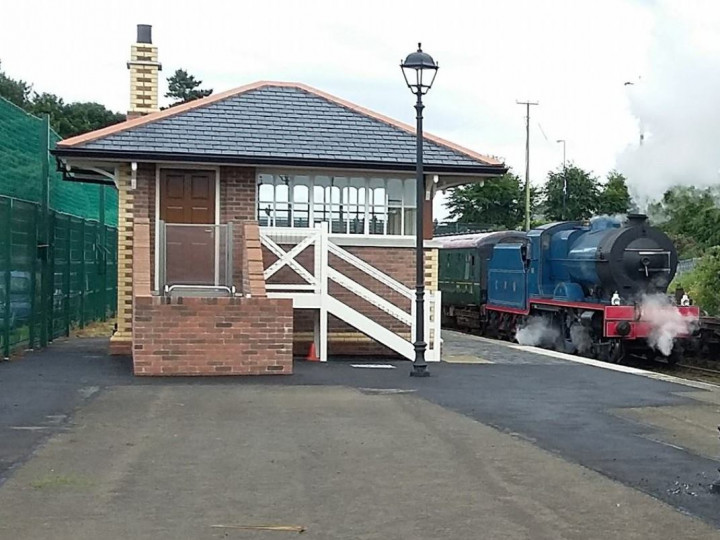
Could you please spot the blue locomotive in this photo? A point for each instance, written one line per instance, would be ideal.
(577, 287)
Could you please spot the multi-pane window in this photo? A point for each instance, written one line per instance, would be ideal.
(350, 204)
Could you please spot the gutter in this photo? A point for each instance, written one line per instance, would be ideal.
(486, 170)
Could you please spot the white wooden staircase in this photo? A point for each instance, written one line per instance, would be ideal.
(309, 290)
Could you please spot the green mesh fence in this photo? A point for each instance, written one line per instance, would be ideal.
(21, 155)
(58, 268)
(48, 289)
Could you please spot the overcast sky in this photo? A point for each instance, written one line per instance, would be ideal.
(573, 56)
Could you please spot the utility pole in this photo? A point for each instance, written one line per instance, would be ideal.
(565, 182)
(527, 159)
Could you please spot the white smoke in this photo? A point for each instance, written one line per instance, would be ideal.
(580, 338)
(675, 103)
(666, 321)
(537, 332)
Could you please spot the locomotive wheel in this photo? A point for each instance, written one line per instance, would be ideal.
(617, 351)
(612, 351)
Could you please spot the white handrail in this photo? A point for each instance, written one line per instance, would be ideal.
(370, 270)
(315, 294)
(366, 294)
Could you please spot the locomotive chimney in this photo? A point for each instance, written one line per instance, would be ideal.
(635, 220)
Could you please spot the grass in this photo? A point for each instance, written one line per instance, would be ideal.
(55, 481)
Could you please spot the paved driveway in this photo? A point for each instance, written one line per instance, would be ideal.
(526, 449)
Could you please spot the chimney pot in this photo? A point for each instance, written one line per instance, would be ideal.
(144, 33)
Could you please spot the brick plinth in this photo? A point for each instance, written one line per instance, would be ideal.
(212, 336)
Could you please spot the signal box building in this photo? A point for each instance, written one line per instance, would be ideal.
(257, 222)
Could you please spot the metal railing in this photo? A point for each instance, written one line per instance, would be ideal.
(196, 260)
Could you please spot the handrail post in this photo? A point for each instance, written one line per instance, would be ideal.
(162, 244)
(229, 281)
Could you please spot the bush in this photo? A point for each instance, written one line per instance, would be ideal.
(703, 283)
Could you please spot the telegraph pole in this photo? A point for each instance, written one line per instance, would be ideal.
(527, 159)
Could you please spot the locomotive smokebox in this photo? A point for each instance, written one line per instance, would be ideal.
(632, 258)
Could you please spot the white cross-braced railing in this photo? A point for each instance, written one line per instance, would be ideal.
(312, 293)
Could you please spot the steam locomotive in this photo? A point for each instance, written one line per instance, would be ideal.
(596, 288)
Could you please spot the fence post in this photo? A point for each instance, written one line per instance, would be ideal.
(82, 273)
(66, 280)
(102, 260)
(44, 240)
(33, 278)
(7, 246)
(50, 316)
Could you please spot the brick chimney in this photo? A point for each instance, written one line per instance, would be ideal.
(144, 68)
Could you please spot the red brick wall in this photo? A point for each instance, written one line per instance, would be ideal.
(205, 336)
(237, 205)
(212, 336)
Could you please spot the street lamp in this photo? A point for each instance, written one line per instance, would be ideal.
(419, 70)
(565, 183)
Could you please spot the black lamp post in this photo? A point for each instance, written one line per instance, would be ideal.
(419, 70)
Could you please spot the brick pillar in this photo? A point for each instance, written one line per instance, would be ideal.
(431, 283)
(121, 342)
(431, 269)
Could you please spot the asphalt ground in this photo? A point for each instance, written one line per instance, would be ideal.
(568, 450)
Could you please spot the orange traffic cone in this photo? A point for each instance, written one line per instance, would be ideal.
(312, 354)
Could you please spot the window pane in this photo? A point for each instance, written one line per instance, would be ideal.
(301, 215)
(357, 220)
(409, 195)
(395, 192)
(350, 195)
(409, 221)
(266, 193)
(394, 221)
(301, 193)
(282, 193)
(282, 215)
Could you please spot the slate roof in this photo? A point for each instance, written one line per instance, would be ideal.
(279, 123)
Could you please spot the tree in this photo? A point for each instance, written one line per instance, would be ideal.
(70, 119)
(15, 91)
(614, 197)
(184, 87)
(497, 203)
(582, 194)
(690, 216)
(67, 119)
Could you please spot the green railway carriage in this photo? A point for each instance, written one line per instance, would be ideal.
(463, 266)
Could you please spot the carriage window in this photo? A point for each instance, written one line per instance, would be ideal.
(350, 205)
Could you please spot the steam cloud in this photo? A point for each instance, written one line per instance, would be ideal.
(537, 333)
(675, 103)
(666, 321)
